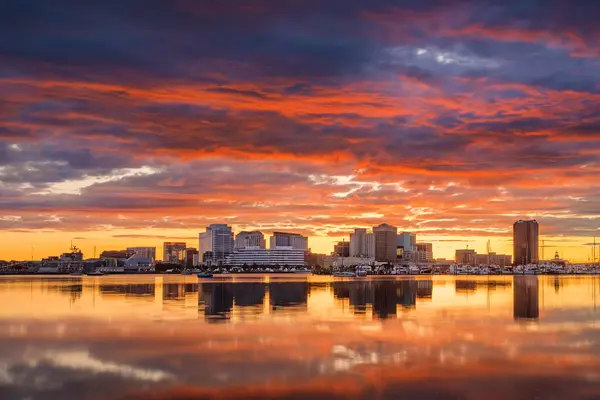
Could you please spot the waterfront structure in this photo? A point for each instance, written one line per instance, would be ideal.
(342, 249)
(118, 254)
(174, 252)
(501, 260)
(266, 257)
(337, 261)
(424, 252)
(525, 242)
(362, 243)
(465, 256)
(385, 242)
(407, 242)
(217, 241)
(143, 252)
(284, 239)
(137, 263)
(191, 257)
(250, 239)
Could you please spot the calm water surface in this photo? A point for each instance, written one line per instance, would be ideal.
(277, 336)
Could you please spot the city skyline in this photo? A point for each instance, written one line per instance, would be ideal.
(121, 128)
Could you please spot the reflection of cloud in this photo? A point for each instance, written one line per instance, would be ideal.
(5, 375)
(82, 360)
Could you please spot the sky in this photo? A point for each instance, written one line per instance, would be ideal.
(133, 122)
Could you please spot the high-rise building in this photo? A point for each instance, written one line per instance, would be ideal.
(407, 241)
(283, 239)
(174, 252)
(250, 239)
(217, 241)
(385, 242)
(191, 257)
(362, 243)
(143, 252)
(342, 249)
(525, 242)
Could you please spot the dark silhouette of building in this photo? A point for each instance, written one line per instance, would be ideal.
(249, 294)
(288, 294)
(342, 249)
(525, 242)
(526, 298)
(385, 299)
(217, 299)
(191, 256)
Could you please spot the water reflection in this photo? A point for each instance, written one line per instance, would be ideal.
(314, 337)
(526, 298)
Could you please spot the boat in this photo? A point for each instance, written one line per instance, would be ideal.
(95, 273)
(186, 272)
(205, 275)
(302, 271)
(361, 273)
(344, 274)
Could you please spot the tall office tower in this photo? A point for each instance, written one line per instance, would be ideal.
(385, 242)
(525, 242)
(362, 244)
(250, 239)
(283, 239)
(174, 252)
(144, 252)
(342, 249)
(217, 241)
(407, 241)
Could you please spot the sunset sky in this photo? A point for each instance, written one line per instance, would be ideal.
(133, 122)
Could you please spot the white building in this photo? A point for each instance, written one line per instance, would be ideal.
(283, 239)
(362, 243)
(143, 252)
(255, 255)
(137, 263)
(250, 239)
(217, 240)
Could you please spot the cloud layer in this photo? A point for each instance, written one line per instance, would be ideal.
(447, 118)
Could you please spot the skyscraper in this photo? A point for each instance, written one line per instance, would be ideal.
(174, 252)
(362, 244)
(217, 241)
(385, 242)
(525, 242)
(250, 239)
(283, 239)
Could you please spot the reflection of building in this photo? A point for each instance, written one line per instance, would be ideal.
(143, 252)
(465, 286)
(217, 299)
(274, 256)
(283, 239)
(525, 242)
(342, 249)
(526, 297)
(385, 242)
(424, 289)
(250, 239)
(288, 294)
(128, 289)
(173, 291)
(384, 299)
(407, 293)
(174, 252)
(217, 241)
(465, 256)
(249, 294)
(362, 244)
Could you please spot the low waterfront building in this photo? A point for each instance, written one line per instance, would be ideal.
(267, 257)
(143, 252)
(335, 261)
